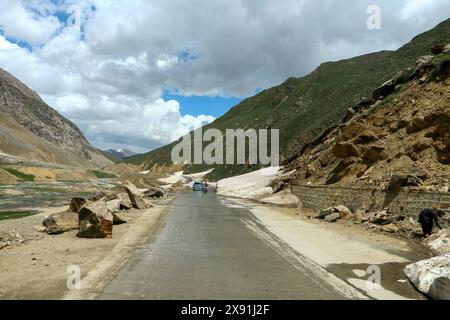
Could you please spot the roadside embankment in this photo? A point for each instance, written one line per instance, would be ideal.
(347, 252)
(37, 268)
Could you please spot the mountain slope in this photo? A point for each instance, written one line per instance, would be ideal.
(120, 153)
(303, 108)
(18, 141)
(20, 104)
(406, 136)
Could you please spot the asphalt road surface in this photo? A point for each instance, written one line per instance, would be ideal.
(206, 250)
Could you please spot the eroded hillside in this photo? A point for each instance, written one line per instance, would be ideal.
(30, 128)
(405, 132)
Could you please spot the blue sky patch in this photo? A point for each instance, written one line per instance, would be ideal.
(197, 105)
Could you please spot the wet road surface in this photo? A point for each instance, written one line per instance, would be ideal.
(206, 250)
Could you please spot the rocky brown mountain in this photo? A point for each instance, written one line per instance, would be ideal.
(30, 128)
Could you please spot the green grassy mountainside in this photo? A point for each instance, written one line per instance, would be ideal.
(303, 108)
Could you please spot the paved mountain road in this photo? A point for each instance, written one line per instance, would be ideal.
(208, 250)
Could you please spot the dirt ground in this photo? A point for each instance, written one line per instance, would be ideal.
(38, 267)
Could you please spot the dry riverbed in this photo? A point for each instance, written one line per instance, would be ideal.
(35, 266)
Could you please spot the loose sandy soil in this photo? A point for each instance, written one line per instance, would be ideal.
(37, 269)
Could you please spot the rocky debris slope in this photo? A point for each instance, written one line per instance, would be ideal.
(25, 107)
(400, 137)
(95, 217)
(381, 221)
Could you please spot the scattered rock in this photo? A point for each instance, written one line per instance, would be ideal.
(384, 90)
(346, 150)
(4, 244)
(380, 218)
(277, 185)
(417, 124)
(40, 228)
(326, 212)
(333, 217)
(125, 201)
(374, 154)
(154, 192)
(344, 212)
(439, 242)
(107, 195)
(390, 228)
(335, 213)
(422, 144)
(402, 179)
(360, 215)
(95, 221)
(437, 49)
(424, 60)
(118, 218)
(138, 201)
(77, 203)
(114, 205)
(431, 276)
(366, 137)
(446, 49)
(61, 222)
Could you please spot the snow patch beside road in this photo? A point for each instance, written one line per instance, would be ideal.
(256, 185)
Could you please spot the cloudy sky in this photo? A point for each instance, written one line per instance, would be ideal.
(138, 73)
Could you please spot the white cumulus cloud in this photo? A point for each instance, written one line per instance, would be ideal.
(107, 67)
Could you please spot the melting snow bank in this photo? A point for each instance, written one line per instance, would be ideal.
(185, 179)
(431, 277)
(257, 186)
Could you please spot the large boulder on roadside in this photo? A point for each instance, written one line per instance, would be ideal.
(136, 197)
(439, 242)
(77, 203)
(333, 214)
(114, 208)
(96, 221)
(333, 217)
(381, 218)
(124, 201)
(431, 277)
(107, 195)
(61, 222)
(344, 212)
(154, 192)
(326, 212)
(277, 185)
(114, 205)
(118, 218)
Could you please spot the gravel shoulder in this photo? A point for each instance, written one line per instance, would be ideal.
(37, 268)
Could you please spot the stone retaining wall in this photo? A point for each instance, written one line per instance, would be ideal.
(408, 201)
